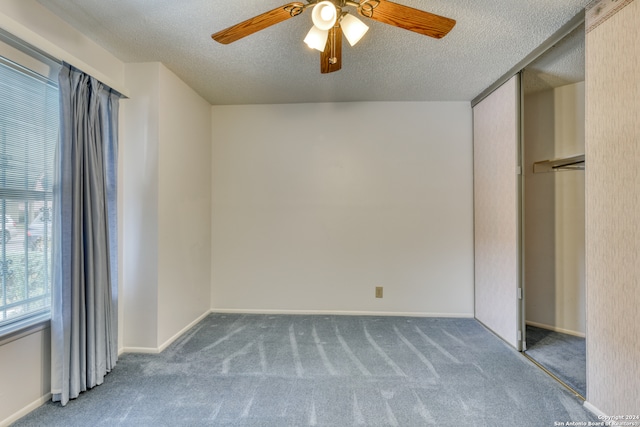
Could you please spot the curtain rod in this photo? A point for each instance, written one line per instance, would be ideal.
(565, 30)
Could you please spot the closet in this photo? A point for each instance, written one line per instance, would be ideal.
(553, 242)
(529, 206)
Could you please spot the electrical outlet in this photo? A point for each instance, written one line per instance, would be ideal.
(378, 291)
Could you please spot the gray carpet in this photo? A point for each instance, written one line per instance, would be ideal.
(266, 370)
(563, 355)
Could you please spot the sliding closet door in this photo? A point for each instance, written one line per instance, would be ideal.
(496, 139)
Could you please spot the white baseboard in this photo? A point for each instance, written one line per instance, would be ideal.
(340, 313)
(145, 350)
(595, 410)
(182, 331)
(162, 347)
(24, 411)
(556, 329)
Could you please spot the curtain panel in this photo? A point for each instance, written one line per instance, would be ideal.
(84, 301)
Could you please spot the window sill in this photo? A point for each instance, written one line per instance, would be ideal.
(21, 329)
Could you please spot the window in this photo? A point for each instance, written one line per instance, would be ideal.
(28, 136)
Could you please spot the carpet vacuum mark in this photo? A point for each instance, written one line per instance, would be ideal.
(299, 370)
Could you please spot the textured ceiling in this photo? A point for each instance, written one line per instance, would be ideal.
(560, 65)
(274, 66)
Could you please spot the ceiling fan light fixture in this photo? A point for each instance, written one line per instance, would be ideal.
(327, 15)
(324, 15)
(317, 38)
(353, 28)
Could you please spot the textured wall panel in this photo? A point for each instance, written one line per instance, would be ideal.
(495, 140)
(613, 212)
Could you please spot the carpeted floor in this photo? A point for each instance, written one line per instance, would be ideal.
(268, 370)
(563, 355)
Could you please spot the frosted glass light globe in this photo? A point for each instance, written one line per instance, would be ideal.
(324, 15)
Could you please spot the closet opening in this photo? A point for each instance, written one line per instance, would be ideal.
(553, 222)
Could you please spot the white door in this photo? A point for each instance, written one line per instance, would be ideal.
(496, 139)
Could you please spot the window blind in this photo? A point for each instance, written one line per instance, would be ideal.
(28, 136)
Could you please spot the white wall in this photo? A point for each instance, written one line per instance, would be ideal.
(25, 361)
(25, 374)
(140, 125)
(316, 204)
(184, 207)
(555, 211)
(167, 198)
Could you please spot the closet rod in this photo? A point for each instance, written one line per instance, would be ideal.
(557, 165)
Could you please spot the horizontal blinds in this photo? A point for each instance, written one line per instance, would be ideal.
(29, 123)
(28, 133)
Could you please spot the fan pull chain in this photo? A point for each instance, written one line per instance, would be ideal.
(333, 59)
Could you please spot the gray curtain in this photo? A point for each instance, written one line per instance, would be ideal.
(84, 304)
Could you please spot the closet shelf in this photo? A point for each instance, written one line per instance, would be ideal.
(565, 164)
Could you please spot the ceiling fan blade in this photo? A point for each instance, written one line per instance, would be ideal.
(331, 57)
(257, 23)
(406, 17)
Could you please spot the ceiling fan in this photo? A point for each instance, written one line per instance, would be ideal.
(330, 16)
